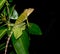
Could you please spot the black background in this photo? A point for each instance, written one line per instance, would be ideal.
(45, 16)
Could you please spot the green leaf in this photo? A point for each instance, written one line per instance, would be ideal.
(2, 31)
(21, 44)
(2, 46)
(18, 31)
(25, 40)
(34, 29)
(2, 3)
(4, 11)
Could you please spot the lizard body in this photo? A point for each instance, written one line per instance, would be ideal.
(20, 19)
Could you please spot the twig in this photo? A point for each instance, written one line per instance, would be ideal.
(8, 42)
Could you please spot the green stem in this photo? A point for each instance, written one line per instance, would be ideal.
(27, 22)
(7, 4)
(8, 21)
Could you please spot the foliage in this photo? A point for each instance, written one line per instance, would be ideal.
(18, 31)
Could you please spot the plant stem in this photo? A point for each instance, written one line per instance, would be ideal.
(27, 22)
(7, 4)
(8, 41)
(8, 23)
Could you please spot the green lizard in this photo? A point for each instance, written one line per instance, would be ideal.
(20, 19)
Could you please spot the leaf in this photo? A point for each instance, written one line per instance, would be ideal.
(2, 46)
(25, 40)
(4, 11)
(18, 31)
(14, 14)
(21, 44)
(2, 31)
(34, 29)
(2, 3)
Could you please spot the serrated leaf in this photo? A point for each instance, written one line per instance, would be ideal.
(18, 31)
(21, 44)
(2, 3)
(34, 29)
(2, 31)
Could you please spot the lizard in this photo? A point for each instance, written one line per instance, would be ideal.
(20, 19)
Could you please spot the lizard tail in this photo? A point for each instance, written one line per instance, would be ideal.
(8, 42)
